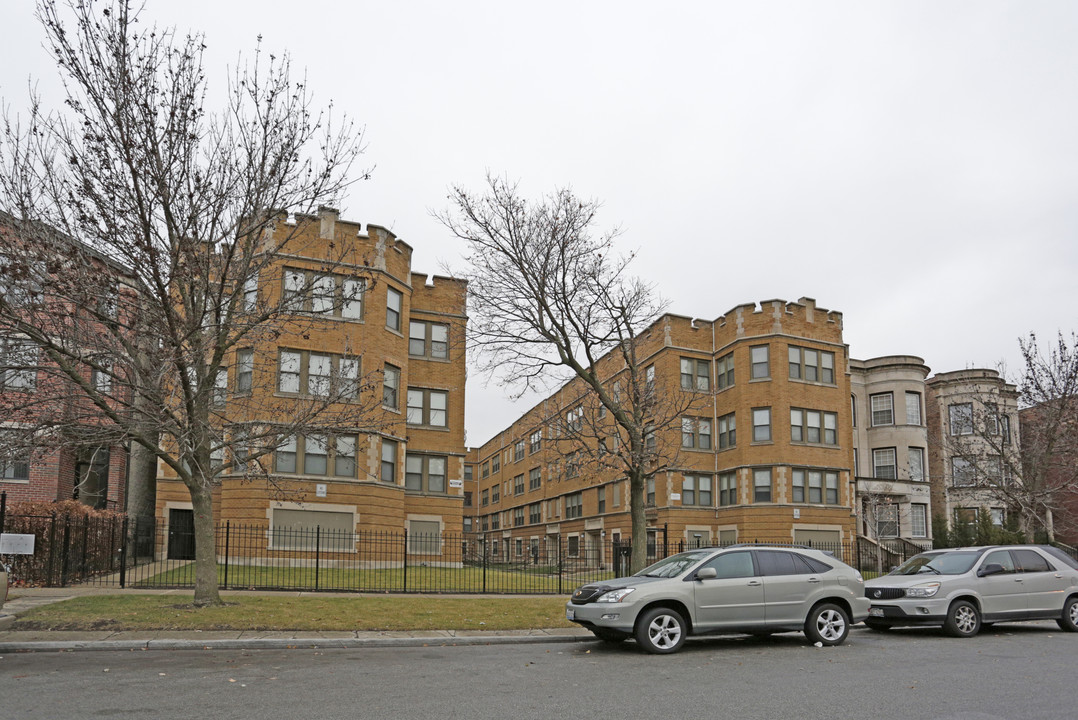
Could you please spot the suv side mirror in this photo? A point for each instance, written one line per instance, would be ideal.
(706, 573)
(990, 569)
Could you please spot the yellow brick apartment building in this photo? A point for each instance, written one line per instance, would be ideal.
(765, 455)
(410, 327)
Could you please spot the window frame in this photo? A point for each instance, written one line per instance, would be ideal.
(694, 380)
(426, 407)
(889, 410)
(394, 315)
(430, 346)
(757, 366)
(426, 474)
(756, 438)
(877, 465)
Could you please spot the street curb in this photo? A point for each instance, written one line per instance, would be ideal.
(281, 643)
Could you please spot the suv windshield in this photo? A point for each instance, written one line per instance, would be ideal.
(675, 564)
(945, 563)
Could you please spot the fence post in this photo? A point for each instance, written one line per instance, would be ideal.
(484, 562)
(66, 550)
(560, 591)
(317, 553)
(228, 532)
(405, 553)
(123, 550)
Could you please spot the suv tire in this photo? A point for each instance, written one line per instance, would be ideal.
(827, 623)
(661, 630)
(1069, 620)
(963, 619)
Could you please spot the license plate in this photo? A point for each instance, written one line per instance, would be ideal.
(875, 612)
(570, 614)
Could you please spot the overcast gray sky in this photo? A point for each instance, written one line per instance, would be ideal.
(911, 164)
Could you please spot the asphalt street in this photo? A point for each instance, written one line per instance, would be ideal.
(1009, 671)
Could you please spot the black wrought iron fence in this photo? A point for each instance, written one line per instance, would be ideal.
(143, 553)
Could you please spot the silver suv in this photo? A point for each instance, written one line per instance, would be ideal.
(740, 589)
(967, 588)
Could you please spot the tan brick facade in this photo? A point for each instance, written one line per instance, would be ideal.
(810, 493)
(397, 305)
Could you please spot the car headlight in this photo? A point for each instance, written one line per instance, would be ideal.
(923, 590)
(614, 596)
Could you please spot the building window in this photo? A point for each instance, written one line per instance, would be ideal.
(649, 437)
(307, 529)
(535, 513)
(963, 474)
(725, 369)
(761, 424)
(323, 290)
(574, 506)
(695, 374)
(394, 302)
(101, 378)
(535, 479)
(649, 493)
(391, 383)
(484, 498)
(352, 298)
(998, 424)
(883, 409)
(535, 441)
(813, 426)
(518, 450)
(761, 366)
(815, 486)
(727, 431)
(887, 520)
(965, 516)
(696, 433)
(424, 473)
(812, 365)
(220, 387)
(318, 373)
(917, 464)
(12, 468)
(485, 470)
(649, 378)
(761, 485)
(424, 537)
(919, 520)
(315, 453)
(428, 339)
(286, 455)
(696, 490)
(427, 407)
(245, 370)
(344, 460)
(574, 419)
(961, 418)
(496, 463)
(728, 488)
(18, 365)
(913, 408)
(306, 291)
(518, 484)
(389, 461)
(883, 464)
(496, 493)
(572, 546)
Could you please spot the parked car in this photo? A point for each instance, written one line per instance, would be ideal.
(964, 589)
(739, 589)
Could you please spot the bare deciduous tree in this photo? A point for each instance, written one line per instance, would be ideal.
(550, 302)
(143, 249)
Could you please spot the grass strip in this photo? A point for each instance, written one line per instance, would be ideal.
(169, 612)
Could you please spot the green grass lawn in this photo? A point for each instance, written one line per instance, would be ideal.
(159, 612)
(417, 579)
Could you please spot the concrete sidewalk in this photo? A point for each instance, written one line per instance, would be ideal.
(62, 640)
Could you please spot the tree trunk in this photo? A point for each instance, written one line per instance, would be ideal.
(206, 592)
(638, 560)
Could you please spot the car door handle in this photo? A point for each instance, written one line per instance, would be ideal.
(814, 580)
(753, 583)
